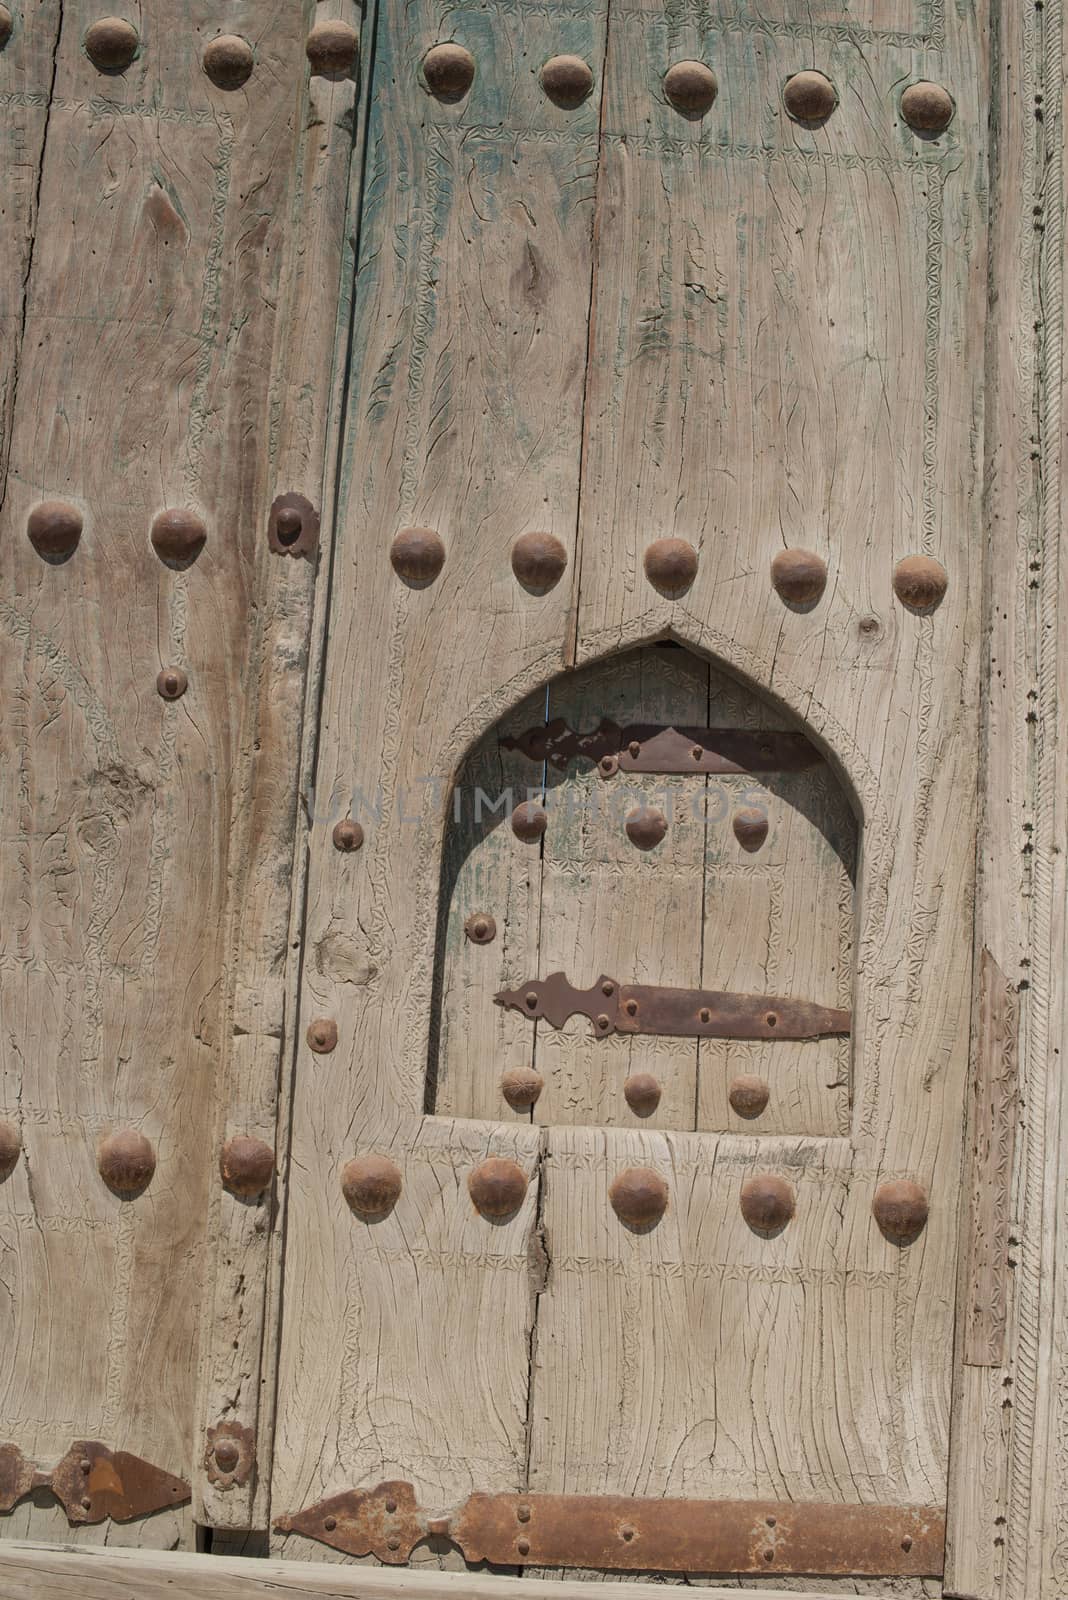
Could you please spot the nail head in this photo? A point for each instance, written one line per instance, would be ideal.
(920, 582)
(371, 1185)
(347, 835)
(900, 1208)
(449, 71)
(54, 528)
(332, 47)
(529, 821)
(646, 827)
(642, 1093)
(638, 1196)
(799, 576)
(246, 1165)
(670, 565)
(691, 87)
(228, 61)
(809, 97)
(322, 1035)
(417, 554)
(539, 561)
(497, 1187)
(111, 43)
(567, 80)
(521, 1087)
(767, 1203)
(927, 107)
(748, 1095)
(126, 1161)
(178, 535)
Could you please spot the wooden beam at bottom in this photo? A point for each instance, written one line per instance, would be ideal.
(50, 1572)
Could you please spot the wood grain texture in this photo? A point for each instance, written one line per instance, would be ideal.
(985, 1308)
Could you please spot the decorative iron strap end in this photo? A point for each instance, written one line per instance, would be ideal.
(613, 1007)
(92, 1483)
(656, 748)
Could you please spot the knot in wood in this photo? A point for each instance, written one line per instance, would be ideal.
(322, 1035)
(799, 576)
(900, 1208)
(371, 1185)
(920, 582)
(671, 565)
(809, 97)
(529, 821)
(750, 827)
(228, 61)
(417, 554)
(292, 526)
(171, 683)
(332, 47)
(111, 44)
(691, 87)
(10, 1148)
(521, 1087)
(449, 71)
(54, 528)
(347, 835)
(642, 1093)
(246, 1165)
(646, 827)
(567, 80)
(126, 1162)
(748, 1096)
(178, 536)
(927, 107)
(497, 1188)
(480, 928)
(638, 1196)
(539, 561)
(767, 1203)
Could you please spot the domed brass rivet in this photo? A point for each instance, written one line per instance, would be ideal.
(642, 1093)
(111, 44)
(809, 97)
(480, 928)
(748, 1095)
(521, 1087)
(799, 576)
(347, 835)
(449, 71)
(691, 87)
(6, 25)
(10, 1149)
(646, 827)
(178, 536)
(228, 61)
(767, 1203)
(920, 582)
(567, 80)
(171, 683)
(322, 1035)
(332, 47)
(750, 827)
(927, 107)
(539, 561)
(126, 1162)
(900, 1208)
(246, 1167)
(54, 528)
(671, 565)
(638, 1196)
(529, 821)
(418, 555)
(371, 1185)
(497, 1187)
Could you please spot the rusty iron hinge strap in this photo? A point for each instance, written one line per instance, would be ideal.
(656, 748)
(92, 1483)
(687, 1013)
(623, 1534)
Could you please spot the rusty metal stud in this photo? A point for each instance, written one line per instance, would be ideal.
(449, 71)
(529, 821)
(292, 525)
(322, 1035)
(6, 24)
(799, 576)
(638, 1196)
(670, 565)
(927, 107)
(228, 61)
(54, 528)
(691, 87)
(229, 1454)
(646, 827)
(10, 1148)
(332, 47)
(111, 44)
(521, 1087)
(171, 683)
(608, 766)
(347, 835)
(900, 1208)
(539, 561)
(126, 1162)
(497, 1187)
(920, 582)
(748, 1096)
(567, 80)
(371, 1185)
(767, 1203)
(750, 827)
(246, 1165)
(178, 536)
(480, 928)
(809, 97)
(417, 554)
(642, 1093)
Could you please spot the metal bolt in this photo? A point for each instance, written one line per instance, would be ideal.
(627, 1534)
(691, 87)
(531, 999)
(567, 80)
(171, 683)
(539, 561)
(767, 1203)
(638, 1196)
(449, 71)
(920, 583)
(497, 1187)
(391, 1506)
(228, 61)
(227, 1454)
(772, 1020)
(87, 1504)
(769, 1522)
(523, 1546)
(480, 928)
(706, 1015)
(608, 766)
(697, 752)
(927, 107)
(126, 1162)
(906, 1543)
(418, 555)
(86, 1466)
(769, 1555)
(371, 1185)
(631, 1007)
(54, 528)
(178, 537)
(900, 1208)
(809, 97)
(331, 47)
(670, 565)
(799, 576)
(608, 988)
(603, 1021)
(393, 1543)
(322, 1035)
(523, 1513)
(347, 835)
(635, 748)
(111, 44)
(330, 1524)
